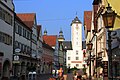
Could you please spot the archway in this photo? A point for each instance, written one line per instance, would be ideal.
(6, 69)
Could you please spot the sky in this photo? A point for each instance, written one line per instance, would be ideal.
(55, 15)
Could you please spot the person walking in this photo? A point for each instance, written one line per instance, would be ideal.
(53, 72)
(60, 74)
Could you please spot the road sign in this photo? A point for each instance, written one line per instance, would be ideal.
(16, 57)
(17, 50)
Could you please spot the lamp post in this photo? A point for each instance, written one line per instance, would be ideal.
(109, 19)
(89, 45)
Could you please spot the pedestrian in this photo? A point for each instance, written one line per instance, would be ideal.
(75, 76)
(79, 77)
(60, 74)
(53, 72)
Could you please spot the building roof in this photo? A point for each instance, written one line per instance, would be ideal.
(50, 39)
(88, 19)
(18, 19)
(67, 45)
(76, 20)
(27, 18)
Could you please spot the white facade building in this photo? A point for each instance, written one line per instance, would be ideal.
(75, 56)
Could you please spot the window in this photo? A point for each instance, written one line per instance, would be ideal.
(22, 47)
(77, 65)
(77, 58)
(4, 15)
(23, 32)
(76, 52)
(19, 30)
(77, 33)
(68, 58)
(76, 43)
(68, 65)
(25, 48)
(16, 28)
(27, 34)
(5, 38)
(77, 38)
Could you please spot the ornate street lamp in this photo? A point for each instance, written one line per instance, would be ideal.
(89, 45)
(109, 19)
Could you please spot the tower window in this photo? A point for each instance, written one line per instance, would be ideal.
(76, 52)
(76, 43)
(77, 58)
(68, 65)
(68, 58)
(77, 65)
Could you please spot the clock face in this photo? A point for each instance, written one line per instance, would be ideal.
(77, 27)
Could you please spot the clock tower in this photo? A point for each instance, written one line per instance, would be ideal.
(76, 33)
(75, 56)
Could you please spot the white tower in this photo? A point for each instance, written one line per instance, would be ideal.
(76, 37)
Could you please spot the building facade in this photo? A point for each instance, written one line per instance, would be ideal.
(6, 37)
(75, 56)
(52, 41)
(39, 48)
(98, 35)
(22, 42)
(29, 19)
(47, 59)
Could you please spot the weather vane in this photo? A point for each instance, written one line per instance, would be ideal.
(76, 13)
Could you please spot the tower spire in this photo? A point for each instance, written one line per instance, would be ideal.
(45, 32)
(61, 36)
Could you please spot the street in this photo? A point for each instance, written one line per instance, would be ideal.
(44, 76)
(48, 76)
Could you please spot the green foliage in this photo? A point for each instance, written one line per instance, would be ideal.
(72, 69)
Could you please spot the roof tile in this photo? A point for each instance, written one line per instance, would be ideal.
(88, 19)
(50, 39)
(27, 18)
